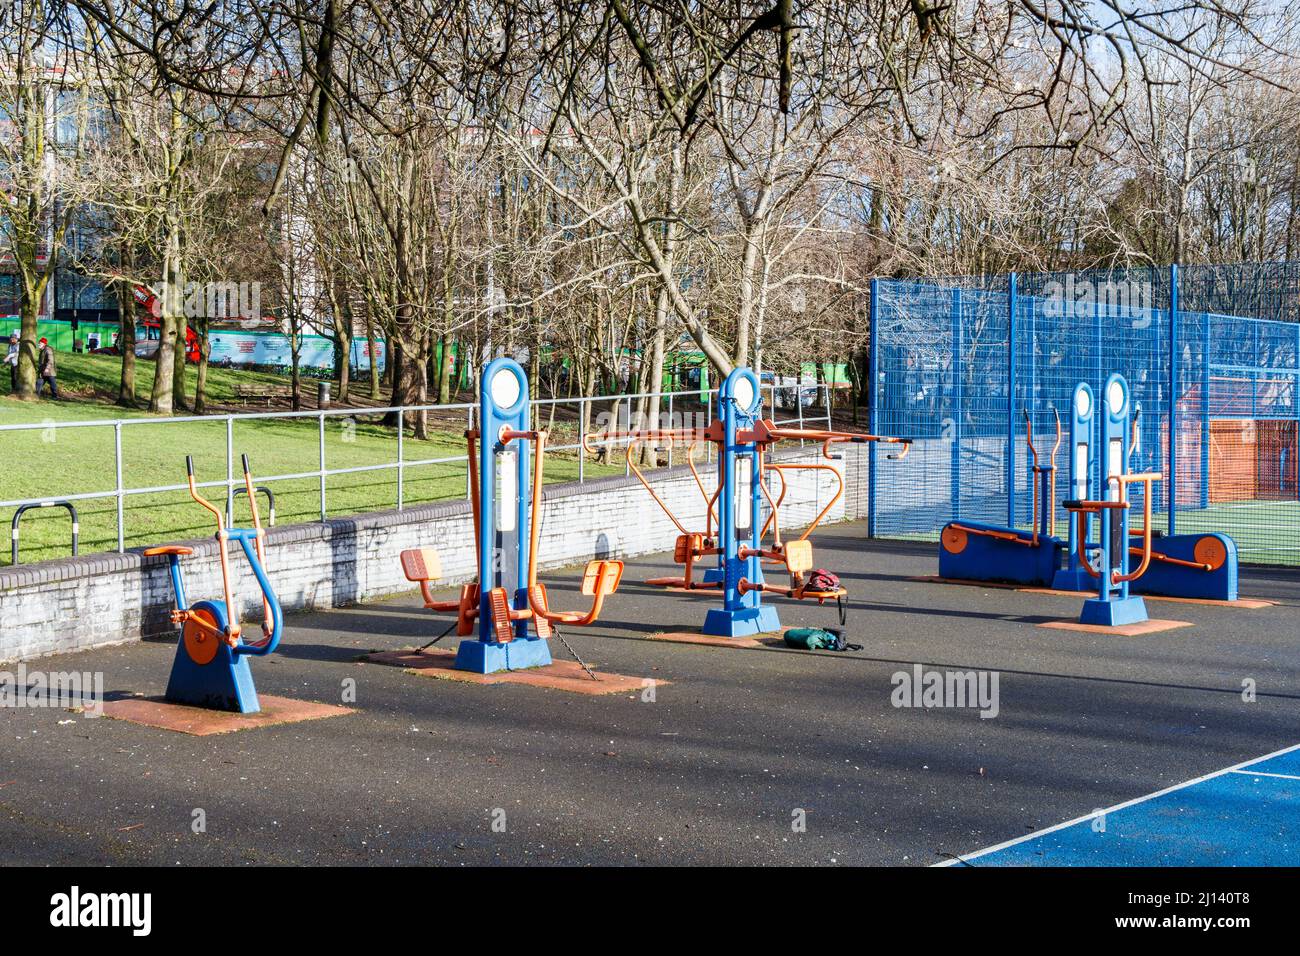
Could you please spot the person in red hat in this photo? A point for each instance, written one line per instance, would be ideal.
(45, 370)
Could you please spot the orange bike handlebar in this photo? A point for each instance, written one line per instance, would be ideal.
(232, 627)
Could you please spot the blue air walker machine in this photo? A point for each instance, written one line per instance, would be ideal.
(1190, 565)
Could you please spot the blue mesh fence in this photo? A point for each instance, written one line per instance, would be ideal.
(960, 362)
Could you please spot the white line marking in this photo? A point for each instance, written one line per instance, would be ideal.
(1116, 808)
(1260, 773)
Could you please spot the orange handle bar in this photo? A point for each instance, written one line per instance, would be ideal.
(232, 627)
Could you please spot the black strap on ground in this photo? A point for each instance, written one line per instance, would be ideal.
(580, 661)
(450, 627)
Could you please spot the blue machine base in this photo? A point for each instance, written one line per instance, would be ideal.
(985, 558)
(714, 576)
(1115, 612)
(1172, 580)
(224, 683)
(488, 657)
(1076, 580)
(744, 622)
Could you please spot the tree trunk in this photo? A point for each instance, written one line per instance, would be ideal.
(295, 353)
(201, 377)
(179, 362)
(126, 344)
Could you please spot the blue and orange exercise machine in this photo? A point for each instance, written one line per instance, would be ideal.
(211, 669)
(1199, 566)
(744, 440)
(507, 605)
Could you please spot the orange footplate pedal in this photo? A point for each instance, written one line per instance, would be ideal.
(502, 626)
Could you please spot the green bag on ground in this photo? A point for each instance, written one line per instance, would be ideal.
(817, 639)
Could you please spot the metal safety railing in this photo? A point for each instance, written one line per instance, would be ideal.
(671, 403)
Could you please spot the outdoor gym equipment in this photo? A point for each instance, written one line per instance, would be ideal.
(1200, 566)
(744, 441)
(507, 604)
(211, 664)
(689, 546)
(971, 550)
(1114, 604)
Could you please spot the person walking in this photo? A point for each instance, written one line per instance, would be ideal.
(11, 359)
(45, 370)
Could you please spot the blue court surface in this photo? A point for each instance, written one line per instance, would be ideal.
(1245, 815)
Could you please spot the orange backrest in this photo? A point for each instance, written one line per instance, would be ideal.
(798, 556)
(421, 564)
(686, 546)
(602, 577)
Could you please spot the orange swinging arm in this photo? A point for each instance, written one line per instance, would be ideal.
(231, 633)
(1050, 504)
(601, 578)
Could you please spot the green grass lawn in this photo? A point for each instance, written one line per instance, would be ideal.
(50, 462)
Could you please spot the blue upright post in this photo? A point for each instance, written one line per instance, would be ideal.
(742, 612)
(505, 495)
(958, 349)
(1011, 400)
(1206, 345)
(873, 413)
(1173, 399)
(1073, 577)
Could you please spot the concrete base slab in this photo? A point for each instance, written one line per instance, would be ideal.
(560, 675)
(715, 640)
(1244, 603)
(1150, 626)
(202, 722)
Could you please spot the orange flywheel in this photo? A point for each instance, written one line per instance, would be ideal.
(1210, 552)
(954, 540)
(200, 643)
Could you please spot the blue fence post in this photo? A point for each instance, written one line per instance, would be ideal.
(1205, 410)
(1173, 399)
(873, 413)
(958, 348)
(1011, 400)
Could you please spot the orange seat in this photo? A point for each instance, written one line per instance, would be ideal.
(167, 549)
(602, 577)
(798, 556)
(421, 564)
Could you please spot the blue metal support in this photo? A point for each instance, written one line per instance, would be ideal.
(1011, 400)
(1083, 405)
(741, 512)
(958, 349)
(505, 501)
(1206, 345)
(873, 412)
(1172, 477)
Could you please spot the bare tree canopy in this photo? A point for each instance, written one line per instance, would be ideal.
(607, 185)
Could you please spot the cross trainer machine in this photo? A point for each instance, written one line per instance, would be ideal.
(1114, 604)
(211, 665)
(1201, 566)
(744, 441)
(507, 606)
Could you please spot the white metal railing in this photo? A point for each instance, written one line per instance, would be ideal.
(120, 492)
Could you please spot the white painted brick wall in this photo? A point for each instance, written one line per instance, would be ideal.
(76, 603)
